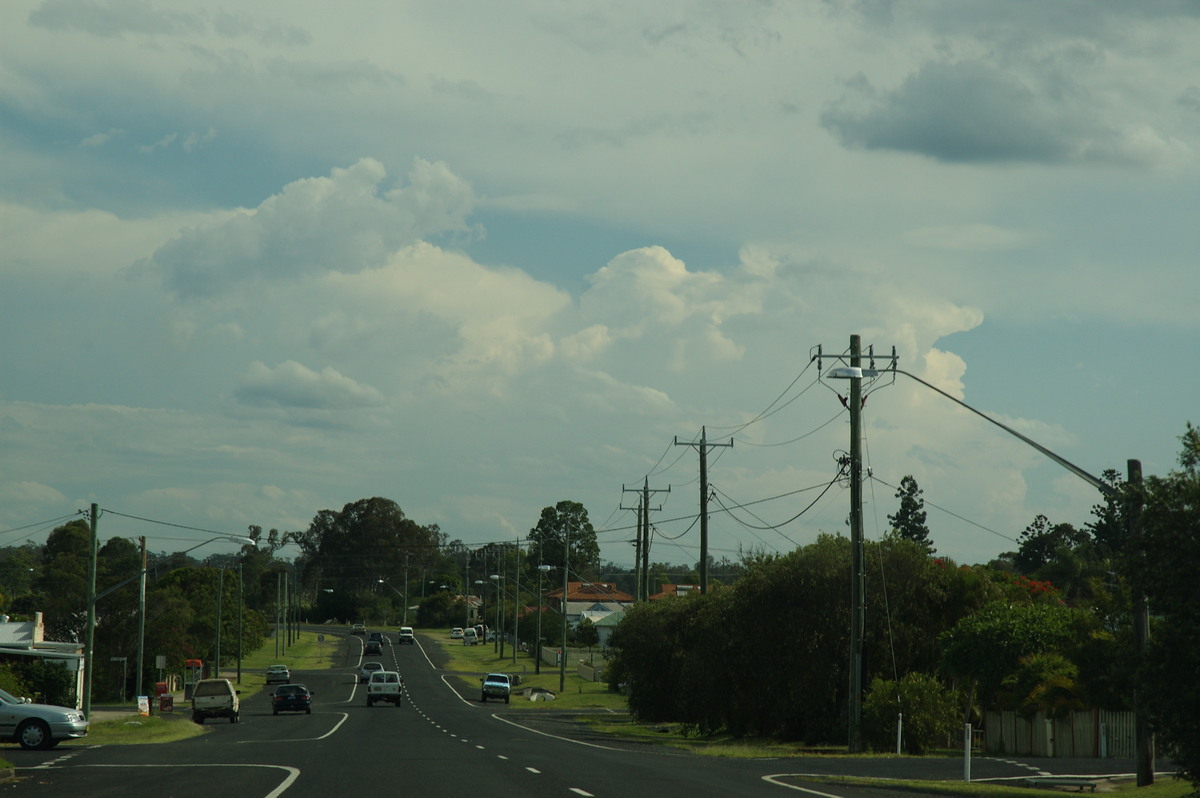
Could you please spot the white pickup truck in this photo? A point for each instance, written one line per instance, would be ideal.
(385, 686)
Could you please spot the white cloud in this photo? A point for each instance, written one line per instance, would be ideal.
(292, 384)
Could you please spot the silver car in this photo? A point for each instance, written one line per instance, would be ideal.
(38, 725)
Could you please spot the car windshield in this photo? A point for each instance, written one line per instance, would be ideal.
(291, 689)
(8, 698)
(497, 677)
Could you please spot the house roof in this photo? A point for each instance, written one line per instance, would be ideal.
(592, 591)
(675, 590)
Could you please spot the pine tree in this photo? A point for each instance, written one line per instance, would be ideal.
(909, 520)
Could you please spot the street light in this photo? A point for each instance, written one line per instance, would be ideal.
(401, 595)
(855, 373)
(93, 597)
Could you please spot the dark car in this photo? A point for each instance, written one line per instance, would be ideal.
(372, 648)
(291, 698)
(377, 637)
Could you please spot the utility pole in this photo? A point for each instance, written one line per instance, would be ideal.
(642, 552)
(1143, 739)
(141, 648)
(90, 650)
(858, 582)
(703, 446)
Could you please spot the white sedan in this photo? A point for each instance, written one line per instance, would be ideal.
(38, 725)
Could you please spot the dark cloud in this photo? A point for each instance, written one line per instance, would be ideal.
(962, 112)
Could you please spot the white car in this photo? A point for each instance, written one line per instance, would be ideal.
(385, 686)
(364, 673)
(406, 636)
(456, 633)
(38, 725)
(278, 673)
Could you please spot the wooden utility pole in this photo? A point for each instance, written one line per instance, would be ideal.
(703, 446)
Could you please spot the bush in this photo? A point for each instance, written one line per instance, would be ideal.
(930, 713)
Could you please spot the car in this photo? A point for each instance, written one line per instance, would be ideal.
(496, 685)
(469, 637)
(358, 629)
(377, 637)
(215, 698)
(291, 698)
(364, 673)
(385, 686)
(38, 726)
(278, 673)
(406, 636)
(372, 648)
(456, 633)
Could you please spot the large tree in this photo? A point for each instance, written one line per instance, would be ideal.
(365, 542)
(566, 523)
(909, 520)
(1165, 563)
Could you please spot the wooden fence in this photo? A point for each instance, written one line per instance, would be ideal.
(1087, 733)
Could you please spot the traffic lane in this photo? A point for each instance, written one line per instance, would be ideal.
(113, 780)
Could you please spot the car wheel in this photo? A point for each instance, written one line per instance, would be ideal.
(483, 698)
(198, 719)
(370, 702)
(308, 710)
(34, 734)
(506, 699)
(274, 711)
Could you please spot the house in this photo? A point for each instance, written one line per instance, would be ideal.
(591, 600)
(675, 590)
(28, 639)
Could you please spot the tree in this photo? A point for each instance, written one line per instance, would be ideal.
(909, 520)
(367, 540)
(929, 710)
(1164, 565)
(566, 523)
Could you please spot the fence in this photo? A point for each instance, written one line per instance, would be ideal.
(1086, 733)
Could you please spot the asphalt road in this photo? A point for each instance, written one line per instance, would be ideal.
(437, 744)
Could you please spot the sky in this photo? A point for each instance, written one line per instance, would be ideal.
(258, 261)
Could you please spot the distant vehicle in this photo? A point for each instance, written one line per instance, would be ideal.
(469, 637)
(367, 669)
(215, 698)
(373, 648)
(377, 637)
(385, 686)
(406, 636)
(496, 685)
(479, 631)
(358, 629)
(291, 698)
(278, 673)
(38, 726)
(456, 633)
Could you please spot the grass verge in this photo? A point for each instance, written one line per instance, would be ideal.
(136, 730)
(466, 664)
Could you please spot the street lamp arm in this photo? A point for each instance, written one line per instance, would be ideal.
(1095, 482)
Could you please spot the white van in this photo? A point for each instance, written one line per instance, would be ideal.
(469, 636)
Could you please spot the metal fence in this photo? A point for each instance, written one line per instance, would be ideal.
(1085, 733)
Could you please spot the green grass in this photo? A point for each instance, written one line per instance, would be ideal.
(136, 730)
(468, 663)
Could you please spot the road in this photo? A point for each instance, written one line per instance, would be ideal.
(437, 744)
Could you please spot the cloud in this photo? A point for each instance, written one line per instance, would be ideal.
(292, 385)
(113, 18)
(346, 222)
(973, 111)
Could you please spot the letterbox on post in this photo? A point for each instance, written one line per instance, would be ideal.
(193, 671)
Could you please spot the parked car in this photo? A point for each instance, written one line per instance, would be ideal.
(469, 637)
(456, 633)
(358, 629)
(385, 686)
(406, 636)
(364, 673)
(278, 673)
(215, 698)
(38, 726)
(496, 685)
(291, 698)
(373, 648)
